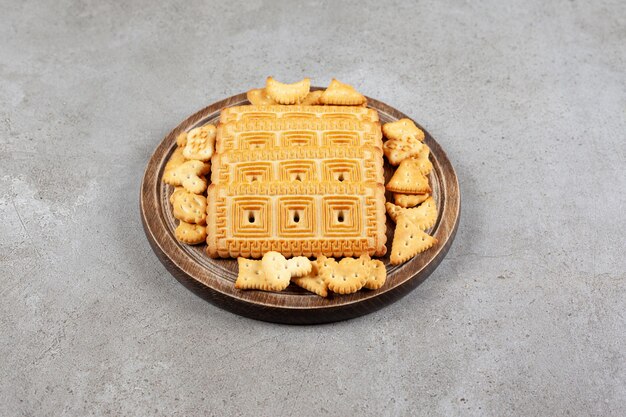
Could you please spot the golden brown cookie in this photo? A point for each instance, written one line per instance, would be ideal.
(189, 174)
(190, 233)
(176, 159)
(200, 143)
(423, 216)
(283, 93)
(312, 281)
(181, 139)
(346, 276)
(409, 200)
(251, 276)
(312, 99)
(403, 130)
(377, 275)
(259, 97)
(408, 179)
(189, 207)
(397, 151)
(408, 241)
(341, 94)
(424, 164)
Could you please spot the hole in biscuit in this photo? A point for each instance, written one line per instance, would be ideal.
(340, 177)
(251, 218)
(298, 177)
(296, 217)
(340, 217)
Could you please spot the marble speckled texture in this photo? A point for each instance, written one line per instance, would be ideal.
(526, 316)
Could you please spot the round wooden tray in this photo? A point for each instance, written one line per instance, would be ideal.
(213, 279)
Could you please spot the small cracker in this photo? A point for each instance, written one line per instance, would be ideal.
(377, 275)
(287, 93)
(259, 97)
(312, 281)
(177, 190)
(345, 277)
(403, 129)
(408, 241)
(200, 143)
(299, 266)
(312, 99)
(424, 163)
(189, 174)
(409, 200)
(181, 139)
(341, 94)
(408, 179)
(276, 270)
(397, 151)
(189, 207)
(176, 159)
(251, 276)
(424, 216)
(189, 233)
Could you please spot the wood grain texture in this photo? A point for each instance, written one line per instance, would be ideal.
(213, 279)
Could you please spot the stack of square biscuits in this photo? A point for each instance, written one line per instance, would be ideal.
(299, 180)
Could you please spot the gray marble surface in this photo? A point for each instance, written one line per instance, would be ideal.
(526, 315)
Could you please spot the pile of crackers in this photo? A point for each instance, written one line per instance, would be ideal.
(298, 174)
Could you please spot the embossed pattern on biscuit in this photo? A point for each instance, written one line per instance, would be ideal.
(247, 112)
(298, 180)
(302, 163)
(296, 218)
(279, 133)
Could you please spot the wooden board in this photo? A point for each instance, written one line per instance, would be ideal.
(213, 279)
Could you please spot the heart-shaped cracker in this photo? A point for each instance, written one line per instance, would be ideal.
(276, 269)
(341, 94)
(409, 200)
(259, 97)
(189, 175)
(312, 99)
(189, 233)
(346, 276)
(408, 241)
(312, 281)
(200, 143)
(402, 129)
(397, 151)
(408, 179)
(287, 93)
(424, 216)
(189, 207)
